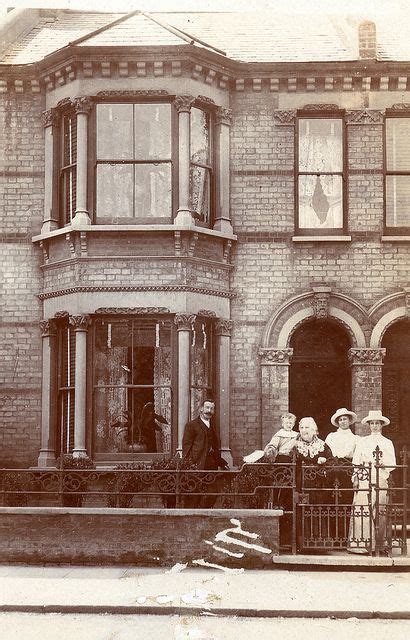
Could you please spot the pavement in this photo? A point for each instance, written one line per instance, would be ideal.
(205, 591)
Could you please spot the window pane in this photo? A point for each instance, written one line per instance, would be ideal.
(114, 131)
(199, 136)
(398, 201)
(153, 190)
(320, 145)
(199, 189)
(115, 191)
(320, 202)
(132, 386)
(397, 144)
(69, 140)
(152, 131)
(69, 193)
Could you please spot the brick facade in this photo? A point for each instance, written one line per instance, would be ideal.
(265, 278)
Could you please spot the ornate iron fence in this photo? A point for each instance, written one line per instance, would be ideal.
(320, 509)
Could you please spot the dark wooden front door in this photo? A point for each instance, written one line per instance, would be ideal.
(396, 383)
(319, 376)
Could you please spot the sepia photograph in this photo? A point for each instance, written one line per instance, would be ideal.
(205, 319)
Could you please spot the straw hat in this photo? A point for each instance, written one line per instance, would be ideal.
(343, 412)
(376, 415)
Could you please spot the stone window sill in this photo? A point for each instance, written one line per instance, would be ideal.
(127, 228)
(396, 238)
(321, 238)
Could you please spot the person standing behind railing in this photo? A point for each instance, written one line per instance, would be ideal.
(360, 538)
(343, 444)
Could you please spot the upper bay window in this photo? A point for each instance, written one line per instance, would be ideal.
(320, 170)
(397, 179)
(146, 161)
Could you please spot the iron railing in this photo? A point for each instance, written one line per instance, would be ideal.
(320, 509)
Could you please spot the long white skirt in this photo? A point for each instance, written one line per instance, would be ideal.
(362, 534)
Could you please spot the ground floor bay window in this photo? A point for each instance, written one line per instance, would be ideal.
(126, 406)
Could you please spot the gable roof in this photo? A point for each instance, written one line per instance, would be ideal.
(244, 37)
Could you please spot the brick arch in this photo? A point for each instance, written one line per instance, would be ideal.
(292, 313)
(387, 312)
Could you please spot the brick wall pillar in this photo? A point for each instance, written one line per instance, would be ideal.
(184, 322)
(275, 389)
(366, 382)
(223, 336)
(82, 107)
(223, 216)
(80, 324)
(46, 457)
(183, 105)
(50, 121)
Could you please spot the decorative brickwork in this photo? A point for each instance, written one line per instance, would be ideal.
(275, 356)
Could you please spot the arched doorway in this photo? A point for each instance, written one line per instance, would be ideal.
(395, 380)
(319, 375)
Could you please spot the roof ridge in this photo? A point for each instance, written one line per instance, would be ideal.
(182, 34)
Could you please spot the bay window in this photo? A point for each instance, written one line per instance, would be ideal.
(397, 178)
(320, 170)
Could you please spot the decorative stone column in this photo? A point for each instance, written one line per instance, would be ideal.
(275, 389)
(223, 217)
(183, 105)
(366, 382)
(82, 106)
(80, 324)
(46, 457)
(50, 122)
(184, 322)
(223, 331)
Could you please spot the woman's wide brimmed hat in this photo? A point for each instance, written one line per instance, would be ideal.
(343, 412)
(376, 415)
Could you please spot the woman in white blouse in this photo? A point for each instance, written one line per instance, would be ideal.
(360, 538)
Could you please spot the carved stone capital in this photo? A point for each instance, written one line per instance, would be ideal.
(80, 323)
(48, 328)
(275, 356)
(223, 327)
(320, 302)
(61, 315)
(207, 313)
(184, 321)
(364, 116)
(284, 117)
(83, 104)
(50, 118)
(366, 356)
(184, 103)
(223, 116)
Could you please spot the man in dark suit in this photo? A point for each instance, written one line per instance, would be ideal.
(200, 446)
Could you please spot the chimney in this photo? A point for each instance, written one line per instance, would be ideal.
(367, 41)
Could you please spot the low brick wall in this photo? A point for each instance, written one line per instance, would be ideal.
(235, 537)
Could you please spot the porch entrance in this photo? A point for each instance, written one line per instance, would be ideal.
(319, 375)
(395, 380)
